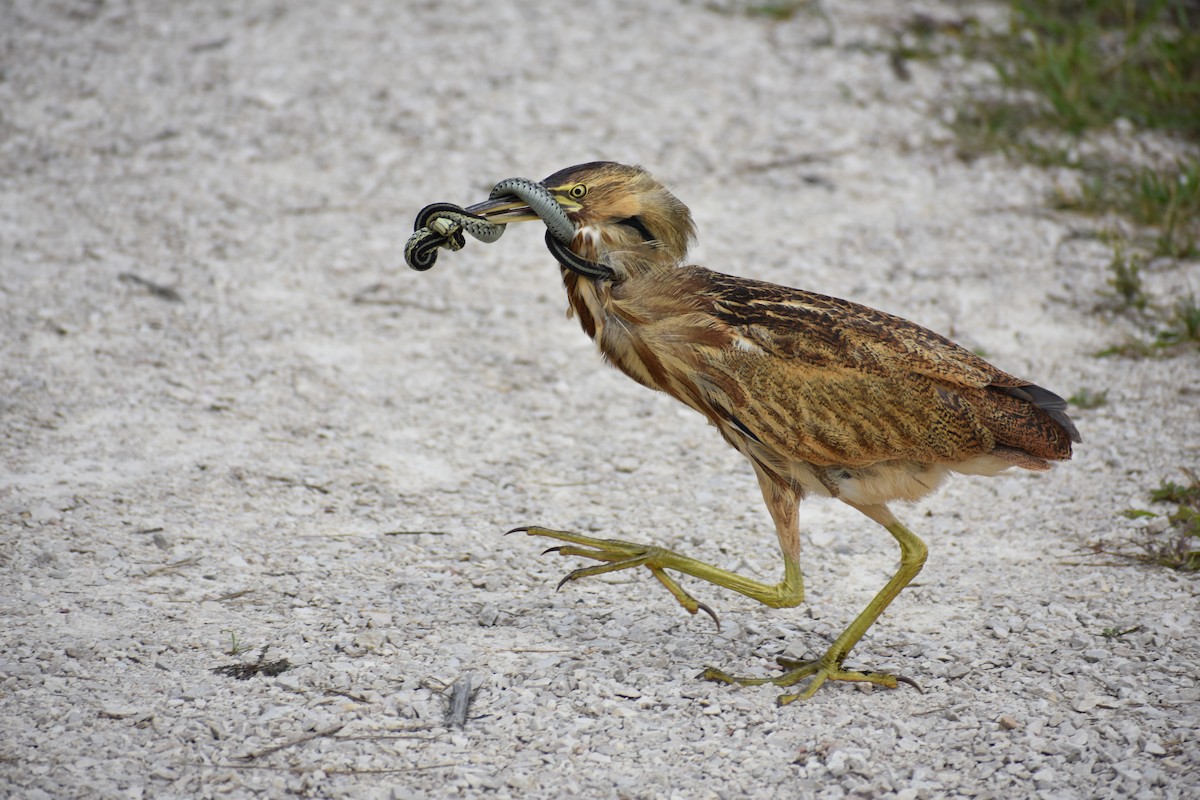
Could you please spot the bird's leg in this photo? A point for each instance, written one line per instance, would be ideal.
(621, 555)
(829, 666)
(782, 500)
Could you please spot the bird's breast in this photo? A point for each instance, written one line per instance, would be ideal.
(651, 327)
(621, 340)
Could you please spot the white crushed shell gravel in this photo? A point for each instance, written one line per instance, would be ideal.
(305, 456)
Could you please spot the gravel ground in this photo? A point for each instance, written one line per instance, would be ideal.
(233, 421)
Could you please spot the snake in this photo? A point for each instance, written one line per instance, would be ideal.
(441, 225)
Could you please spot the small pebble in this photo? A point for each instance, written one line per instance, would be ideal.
(488, 615)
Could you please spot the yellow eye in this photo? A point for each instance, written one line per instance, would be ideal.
(578, 191)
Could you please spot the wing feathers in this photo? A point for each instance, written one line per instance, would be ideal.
(860, 386)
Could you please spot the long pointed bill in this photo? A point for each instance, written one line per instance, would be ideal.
(504, 210)
(512, 200)
(521, 200)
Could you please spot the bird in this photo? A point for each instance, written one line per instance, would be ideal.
(825, 397)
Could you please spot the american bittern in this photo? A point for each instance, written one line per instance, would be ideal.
(824, 397)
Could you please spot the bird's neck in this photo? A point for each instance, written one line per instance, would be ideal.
(588, 301)
(592, 301)
(632, 319)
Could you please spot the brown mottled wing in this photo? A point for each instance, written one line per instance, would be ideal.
(833, 382)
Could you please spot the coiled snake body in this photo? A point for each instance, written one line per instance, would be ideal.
(442, 224)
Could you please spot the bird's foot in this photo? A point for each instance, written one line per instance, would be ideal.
(823, 669)
(621, 555)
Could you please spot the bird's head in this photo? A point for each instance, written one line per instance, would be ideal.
(622, 216)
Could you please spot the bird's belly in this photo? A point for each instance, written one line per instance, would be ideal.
(872, 485)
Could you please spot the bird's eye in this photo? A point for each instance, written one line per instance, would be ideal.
(578, 191)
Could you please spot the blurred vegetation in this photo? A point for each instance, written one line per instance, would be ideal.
(1175, 540)
(1079, 65)
(1077, 80)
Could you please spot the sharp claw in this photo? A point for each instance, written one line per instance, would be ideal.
(910, 682)
(617, 555)
(711, 613)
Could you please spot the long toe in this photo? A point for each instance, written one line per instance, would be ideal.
(617, 555)
(818, 671)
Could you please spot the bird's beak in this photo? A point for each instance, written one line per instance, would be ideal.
(524, 201)
(504, 210)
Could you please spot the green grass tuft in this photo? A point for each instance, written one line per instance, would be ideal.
(1185, 323)
(1183, 494)
(1086, 398)
(236, 645)
(1166, 200)
(1076, 79)
(1116, 633)
(1078, 65)
(1126, 278)
(778, 11)
(1176, 542)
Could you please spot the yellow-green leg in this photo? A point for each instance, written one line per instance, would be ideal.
(829, 666)
(621, 555)
(782, 499)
